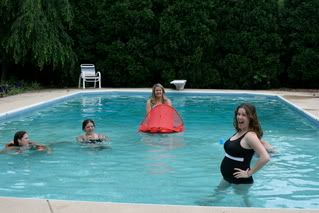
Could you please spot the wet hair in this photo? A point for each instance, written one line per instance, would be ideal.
(85, 122)
(165, 99)
(254, 124)
(18, 136)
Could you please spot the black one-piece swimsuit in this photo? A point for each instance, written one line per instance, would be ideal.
(235, 151)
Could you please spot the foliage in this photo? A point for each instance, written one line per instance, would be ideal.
(252, 44)
(35, 32)
(248, 43)
(129, 42)
(13, 88)
(300, 30)
(187, 43)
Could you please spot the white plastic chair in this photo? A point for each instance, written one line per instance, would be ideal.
(88, 74)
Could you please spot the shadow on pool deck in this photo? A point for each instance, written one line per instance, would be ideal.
(306, 100)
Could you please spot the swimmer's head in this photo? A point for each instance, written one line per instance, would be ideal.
(20, 138)
(87, 123)
(156, 87)
(251, 113)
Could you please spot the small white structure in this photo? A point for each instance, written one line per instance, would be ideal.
(88, 74)
(179, 84)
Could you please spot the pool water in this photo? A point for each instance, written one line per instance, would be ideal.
(179, 169)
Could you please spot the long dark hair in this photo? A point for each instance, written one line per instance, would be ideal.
(254, 124)
(85, 122)
(18, 136)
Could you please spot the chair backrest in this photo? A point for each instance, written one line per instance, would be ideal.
(88, 70)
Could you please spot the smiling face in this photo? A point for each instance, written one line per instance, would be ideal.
(242, 119)
(158, 92)
(246, 119)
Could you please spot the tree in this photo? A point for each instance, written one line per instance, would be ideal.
(35, 31)
(187, 43)
(300, 32)
(249, 43)
(128, 35)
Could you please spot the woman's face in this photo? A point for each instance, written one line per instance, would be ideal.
(24, 140)
(158, 92)
(89, 128)
(242, 119)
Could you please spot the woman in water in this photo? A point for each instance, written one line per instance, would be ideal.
(158, 97)
(240, 148)
(88, 126)
(21, 142)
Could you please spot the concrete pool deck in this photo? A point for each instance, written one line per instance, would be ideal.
(305, 100)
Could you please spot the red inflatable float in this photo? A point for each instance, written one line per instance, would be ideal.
(162, 119)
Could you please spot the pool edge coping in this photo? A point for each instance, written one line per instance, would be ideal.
(35, 205)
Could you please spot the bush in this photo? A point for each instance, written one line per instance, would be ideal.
(13, 88)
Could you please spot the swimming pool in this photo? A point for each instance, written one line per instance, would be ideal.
(162, 169)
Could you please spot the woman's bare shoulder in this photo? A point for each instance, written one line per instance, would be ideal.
(251, 134)
(8, 145)
(251, 137)
(168, 102)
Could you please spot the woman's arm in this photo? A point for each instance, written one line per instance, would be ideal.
(252, 141)
(148, 106)
(39, 147)
(268, 147)
(102, 137)
(80, 139)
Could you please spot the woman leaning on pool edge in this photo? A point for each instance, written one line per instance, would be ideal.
(240, 148)
(158, 97)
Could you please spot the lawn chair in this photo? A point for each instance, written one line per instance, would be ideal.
(88, 74)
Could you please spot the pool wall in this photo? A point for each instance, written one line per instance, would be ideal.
(300, 111)
(31, 108)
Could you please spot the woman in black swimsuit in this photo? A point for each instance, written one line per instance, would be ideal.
(90, 137)
(240, 148)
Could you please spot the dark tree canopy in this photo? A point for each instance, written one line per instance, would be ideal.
(252, 44)
(35, 32)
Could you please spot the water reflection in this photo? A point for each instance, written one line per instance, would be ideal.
(161, 142)
(160, 157)
(224, 191)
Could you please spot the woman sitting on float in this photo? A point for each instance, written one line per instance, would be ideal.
(161, 116)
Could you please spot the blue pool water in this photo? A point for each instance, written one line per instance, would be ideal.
(180, 169)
